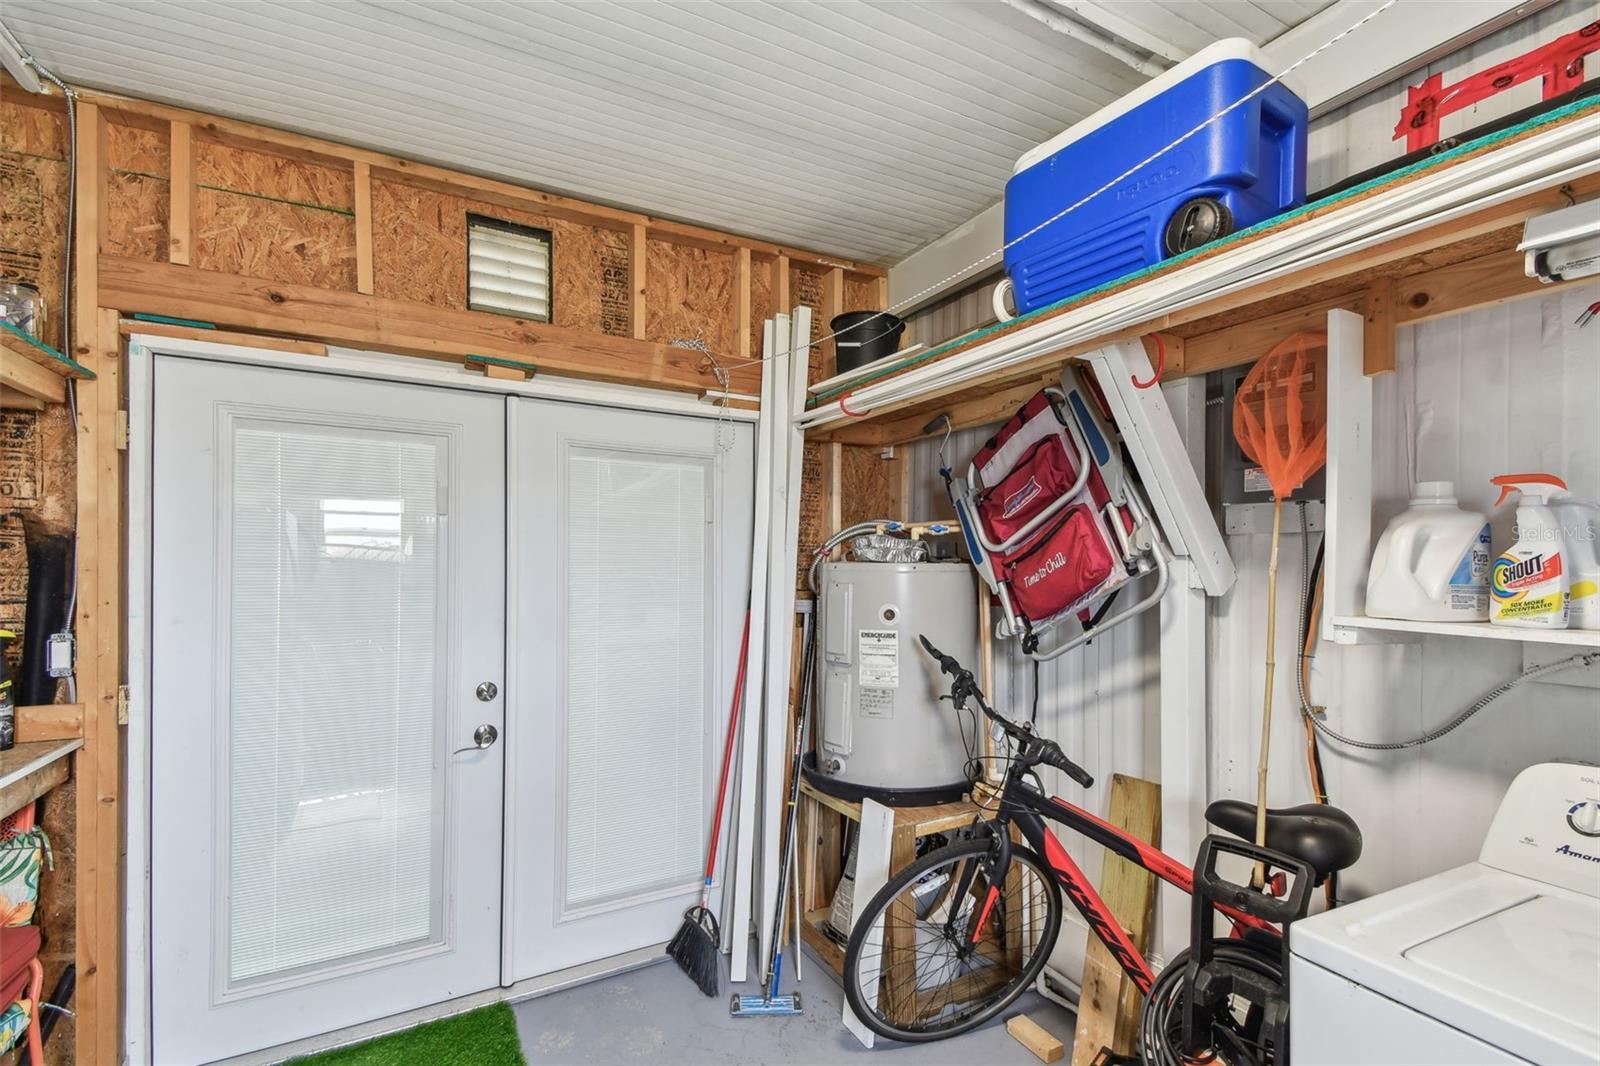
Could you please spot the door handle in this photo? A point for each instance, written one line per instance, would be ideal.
(482, 737)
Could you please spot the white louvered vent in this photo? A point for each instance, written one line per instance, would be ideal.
(508, 268)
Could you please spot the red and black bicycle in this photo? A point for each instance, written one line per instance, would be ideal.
(957, 936)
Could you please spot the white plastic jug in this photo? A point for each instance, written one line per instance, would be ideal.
(1432, 562)
(1580, 532)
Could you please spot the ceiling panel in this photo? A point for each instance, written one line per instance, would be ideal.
(858, 128)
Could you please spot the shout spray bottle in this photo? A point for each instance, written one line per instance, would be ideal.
(1530, 582)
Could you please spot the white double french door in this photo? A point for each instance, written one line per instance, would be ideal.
(375, 786)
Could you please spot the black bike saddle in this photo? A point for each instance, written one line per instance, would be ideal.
(1324, 838)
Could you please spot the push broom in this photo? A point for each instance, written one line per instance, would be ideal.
(696, 946)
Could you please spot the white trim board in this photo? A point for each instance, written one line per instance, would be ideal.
(736, 938)
(384, 366)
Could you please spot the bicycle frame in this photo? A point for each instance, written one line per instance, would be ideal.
(1029, 809)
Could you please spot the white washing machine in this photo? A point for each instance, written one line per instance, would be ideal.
(1497, 961)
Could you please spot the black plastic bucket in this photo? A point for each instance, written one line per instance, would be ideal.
(865, 336)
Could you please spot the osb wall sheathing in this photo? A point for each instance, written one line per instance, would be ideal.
(860, 293)
(762, 300)
(274, 217)
(813, 509)
(693, 292)
(33, 197)
(868, 485)
(38, 498)
(419, 251)
(806, 287)
(138, 193)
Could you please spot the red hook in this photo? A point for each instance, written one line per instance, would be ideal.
(1161, 364)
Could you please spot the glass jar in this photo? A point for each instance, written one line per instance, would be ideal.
(22, 306)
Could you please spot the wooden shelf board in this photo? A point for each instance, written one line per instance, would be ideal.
(28, 771)
(940, 818)
(1574, 638)
(821, 944)
(1470, 262)
(20, 344)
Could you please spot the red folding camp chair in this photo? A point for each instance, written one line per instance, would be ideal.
(1052, 521)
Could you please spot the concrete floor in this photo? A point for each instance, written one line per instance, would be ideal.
(657, 1015)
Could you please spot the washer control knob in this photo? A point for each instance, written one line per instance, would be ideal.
(1584, 817)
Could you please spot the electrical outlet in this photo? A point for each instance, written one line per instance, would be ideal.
(58, 655)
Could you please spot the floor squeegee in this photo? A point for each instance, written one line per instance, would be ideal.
(769, 1002)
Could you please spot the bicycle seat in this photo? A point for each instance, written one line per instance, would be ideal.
(1323, 837)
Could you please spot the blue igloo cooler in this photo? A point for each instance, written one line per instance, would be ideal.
(1242, 168)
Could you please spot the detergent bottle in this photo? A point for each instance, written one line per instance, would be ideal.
(1530, 582)
(1432, 562)
(1580, 530)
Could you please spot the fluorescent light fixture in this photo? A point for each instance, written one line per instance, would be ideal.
(15, 59)
(1563, 245)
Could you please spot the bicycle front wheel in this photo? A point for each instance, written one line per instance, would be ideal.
(939, 950)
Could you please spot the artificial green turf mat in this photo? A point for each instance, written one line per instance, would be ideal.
(484, 1037)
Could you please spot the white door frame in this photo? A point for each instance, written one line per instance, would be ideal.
(142, 349)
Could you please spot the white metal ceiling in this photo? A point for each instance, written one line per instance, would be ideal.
(861, 129)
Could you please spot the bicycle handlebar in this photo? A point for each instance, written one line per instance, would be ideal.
(1035, 749)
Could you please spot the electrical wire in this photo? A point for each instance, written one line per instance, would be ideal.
(697, 343)
(70, 97)
(939, 285)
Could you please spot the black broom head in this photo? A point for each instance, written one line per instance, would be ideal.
(695, 949)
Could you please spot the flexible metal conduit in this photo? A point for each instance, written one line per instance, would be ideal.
(938, 528)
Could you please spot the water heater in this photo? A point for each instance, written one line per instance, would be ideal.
(883, 732)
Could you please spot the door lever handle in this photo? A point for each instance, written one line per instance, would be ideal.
(482, 737)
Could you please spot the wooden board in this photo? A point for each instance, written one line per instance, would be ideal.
(392, 325)
(1033, 1036)
(130, 326)
(1109, 1003)
(51, 721)
(28, 771)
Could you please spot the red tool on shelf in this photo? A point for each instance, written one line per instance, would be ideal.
(1559, 63)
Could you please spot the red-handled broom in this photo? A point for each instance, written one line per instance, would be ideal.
(696, 945)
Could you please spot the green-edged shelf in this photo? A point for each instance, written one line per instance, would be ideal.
(24, 345)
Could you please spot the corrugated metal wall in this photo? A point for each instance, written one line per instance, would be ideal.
(1360, 135)
(1100, 701)
(1502, 389)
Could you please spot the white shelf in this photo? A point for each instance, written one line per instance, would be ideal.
(1574, 638)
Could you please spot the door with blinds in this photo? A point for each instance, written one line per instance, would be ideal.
(630, 561)
(327, 657)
